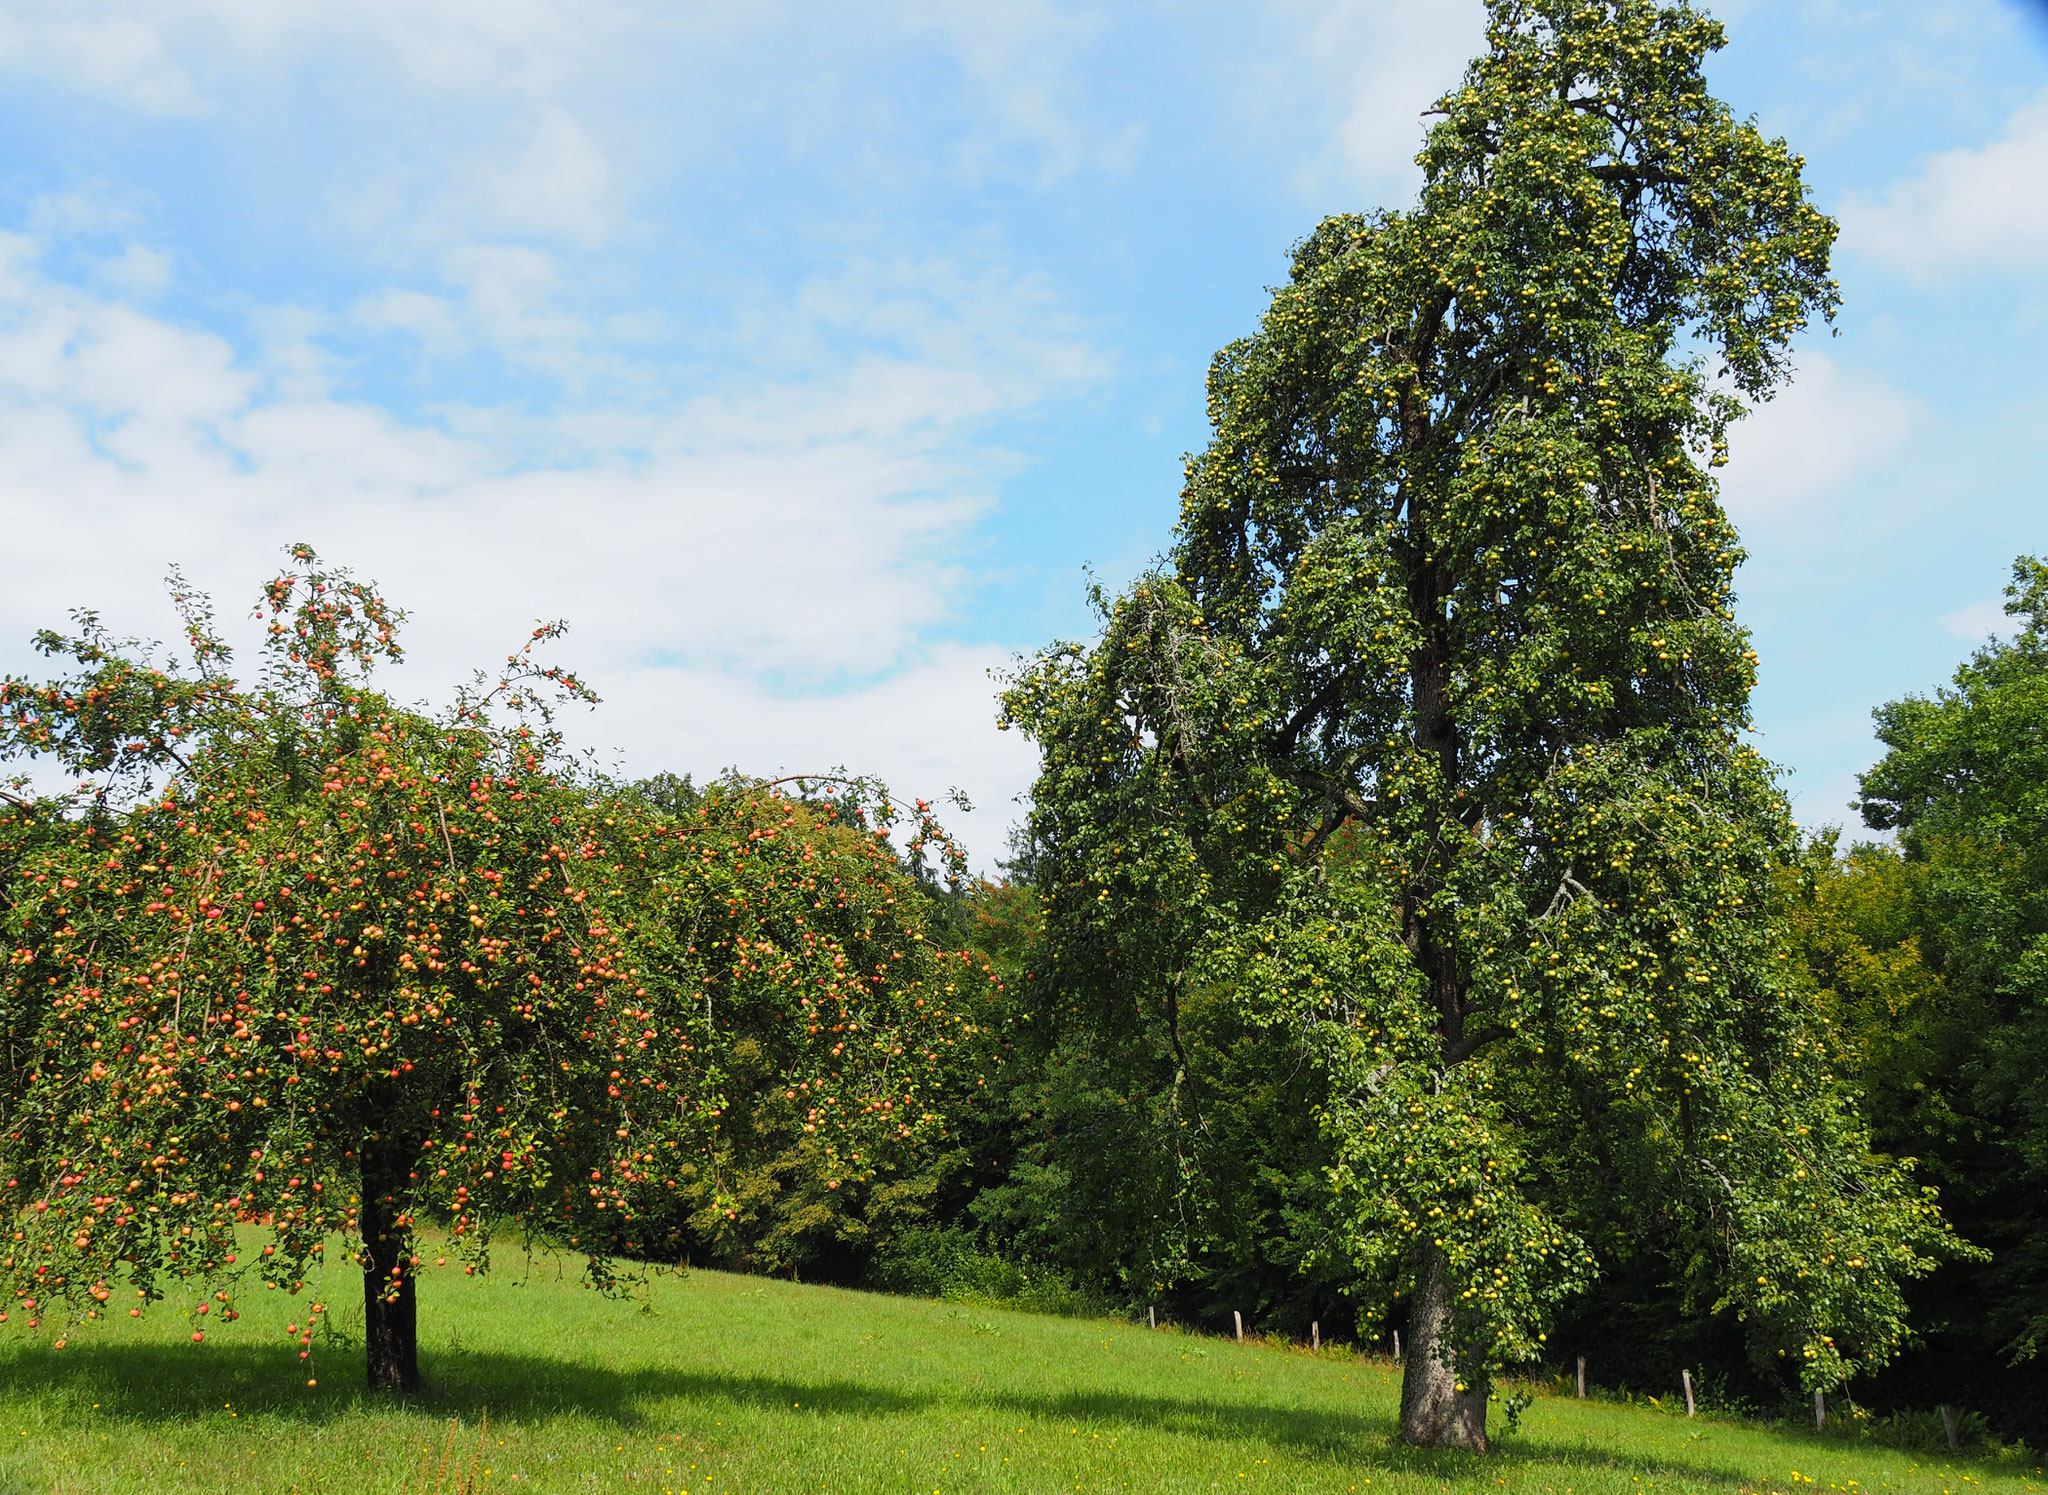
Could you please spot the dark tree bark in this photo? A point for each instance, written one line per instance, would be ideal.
(1434, 1412)
(391, 1342)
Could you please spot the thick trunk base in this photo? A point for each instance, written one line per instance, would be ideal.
(391, 1336)
(1434, 1412)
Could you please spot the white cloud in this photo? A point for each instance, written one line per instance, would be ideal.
(434, 322)
(167, 57)
(96, 51)
(512, 296)
(458, 120)
(137, 270)
(1979, 621)
(559, 187)
(1018, 57)
(86, 210)
(755, 577)
(927, 729)
(1978, 207)
(1830, 425)
(1368, 68)
(475, 172)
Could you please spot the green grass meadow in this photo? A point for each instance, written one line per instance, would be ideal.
(713, 1383)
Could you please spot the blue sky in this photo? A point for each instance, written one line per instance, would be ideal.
(803, 356)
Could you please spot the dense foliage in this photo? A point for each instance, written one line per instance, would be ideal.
(1964, 782)
(351, 969)
(1933, 955)
(844, 1039)
(1922, 953)
(1424, 753)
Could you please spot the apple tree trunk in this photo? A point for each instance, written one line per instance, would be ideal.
(391, 1340)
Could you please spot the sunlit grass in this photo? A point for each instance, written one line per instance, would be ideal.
(716, 1383)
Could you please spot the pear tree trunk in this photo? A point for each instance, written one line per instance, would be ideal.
(1434, 1412)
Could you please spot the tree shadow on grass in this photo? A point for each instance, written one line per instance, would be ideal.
(149, 1385)
(1344, 1438)
(170, 1384)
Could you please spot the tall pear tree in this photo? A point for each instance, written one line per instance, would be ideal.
(1426, 746)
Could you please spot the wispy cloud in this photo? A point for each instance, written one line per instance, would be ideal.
(1834, 423)
(1976, 208)
(547, 350)
(1021, 57)
(1365, 70)
(755, 574)
(99, 51)
(170, 57)
(1979, 621)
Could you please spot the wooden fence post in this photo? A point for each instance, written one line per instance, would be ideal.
(1820, 1411)
(1397, 1346)
(1240, 1322)
(1688, 1392)
(1152, 1318)
(1948, 1423)
(1315, 1335)
(1582, 1378)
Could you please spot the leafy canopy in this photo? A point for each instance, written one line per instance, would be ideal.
(301, 959)
(843, 1035)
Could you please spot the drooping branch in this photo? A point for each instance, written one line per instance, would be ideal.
(1332, 788)
(1621, 174)
(1569, 891)
(1331, 693)
(1415, 408)
(1471, 1043)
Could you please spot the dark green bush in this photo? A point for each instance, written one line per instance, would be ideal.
(956, 1265)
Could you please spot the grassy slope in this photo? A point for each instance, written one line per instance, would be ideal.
(740, 1384)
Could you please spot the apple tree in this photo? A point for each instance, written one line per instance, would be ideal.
(298, 965)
